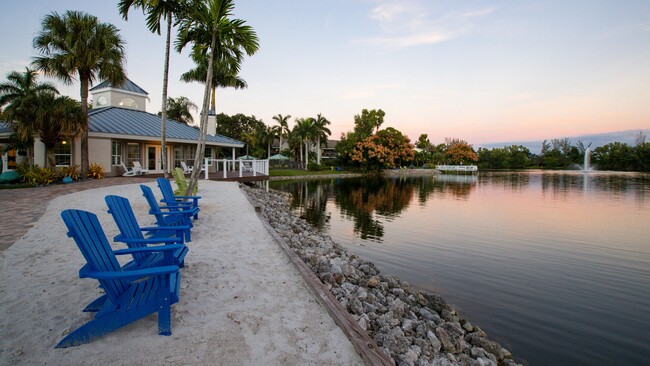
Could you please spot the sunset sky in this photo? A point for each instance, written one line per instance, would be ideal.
(483, 71)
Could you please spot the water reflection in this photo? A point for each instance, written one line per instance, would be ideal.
(554, 265)
(370, 201)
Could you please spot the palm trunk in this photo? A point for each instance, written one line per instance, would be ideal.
(213, 101)
(301, 156)
(85, 79)
(318, 151)
(280, 146)
(306, 154)
(163, 118)
(200, 148)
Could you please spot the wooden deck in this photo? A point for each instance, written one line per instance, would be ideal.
(234, 176)
(231, 176)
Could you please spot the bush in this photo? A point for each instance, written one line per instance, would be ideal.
(96, 171)
(72, 172)
(38, 176)
(315, 167)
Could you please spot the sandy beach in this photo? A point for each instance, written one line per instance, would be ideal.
(241, 303)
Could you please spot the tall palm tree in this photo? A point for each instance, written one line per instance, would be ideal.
(158, 10)
(209, 27)
(19, 93)
(223, 75)
(77, 43)
(180, 109)
(283, 122)
(305, 129)
(321, 131)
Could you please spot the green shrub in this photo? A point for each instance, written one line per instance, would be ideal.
(96, 171)
(71, 171)
(38, 176)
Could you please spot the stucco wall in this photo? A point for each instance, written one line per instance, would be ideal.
(99, 151)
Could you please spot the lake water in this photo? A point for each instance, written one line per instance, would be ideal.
(553, 265)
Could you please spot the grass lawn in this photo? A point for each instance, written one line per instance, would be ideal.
(298, 172)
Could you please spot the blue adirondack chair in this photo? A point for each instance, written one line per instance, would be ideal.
(132, 234)
(131, 294)
(165, 215)
(186, 202)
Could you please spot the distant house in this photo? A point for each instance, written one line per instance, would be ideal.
(122, 131)
(328, 150)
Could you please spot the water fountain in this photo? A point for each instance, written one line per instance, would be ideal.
(586, 166)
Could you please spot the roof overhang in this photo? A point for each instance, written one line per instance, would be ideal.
(157, 139)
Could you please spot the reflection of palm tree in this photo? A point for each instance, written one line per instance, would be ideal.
(77, 43)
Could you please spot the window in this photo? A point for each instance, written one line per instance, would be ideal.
(184, 153)
(63, 153)
(116, 153)
(128, 103)
(132, 153)
(208, 154)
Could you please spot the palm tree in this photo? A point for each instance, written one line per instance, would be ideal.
(321, 131)
(77, 43)
(265, 136)
(19, 93)
(208, 26)
(305, 129)
(179, 109)
(283, 122)
(223, 75)
(158, 10)
(58, 118)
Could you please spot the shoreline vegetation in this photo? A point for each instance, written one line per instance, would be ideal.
(413, 327)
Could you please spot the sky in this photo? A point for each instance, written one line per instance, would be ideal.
(482, 71)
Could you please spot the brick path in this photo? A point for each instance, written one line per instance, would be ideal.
(21, 208)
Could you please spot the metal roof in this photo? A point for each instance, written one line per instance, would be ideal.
(129, 122)
(128, 85)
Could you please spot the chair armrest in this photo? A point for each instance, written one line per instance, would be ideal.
(160, 248)
(136, 273)
(189, 197)
(175, 240)
(165, 228)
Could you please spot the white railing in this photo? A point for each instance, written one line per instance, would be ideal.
(254, 166)
(457, 168)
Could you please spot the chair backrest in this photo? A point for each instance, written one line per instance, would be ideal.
(166, 190)
(186, 168)
(153, 204)
(120, 209)
(137, 168)
(181, 182)
(85, 229)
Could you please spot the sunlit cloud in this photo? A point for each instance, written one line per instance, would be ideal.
(478, 13)
(414, 23)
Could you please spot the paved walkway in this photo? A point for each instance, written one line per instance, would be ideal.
(21, 208)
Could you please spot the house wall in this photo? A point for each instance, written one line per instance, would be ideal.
(40, 157)
(99, 151)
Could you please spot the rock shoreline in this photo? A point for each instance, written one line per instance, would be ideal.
(413, 327)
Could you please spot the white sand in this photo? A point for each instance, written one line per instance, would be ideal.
(241, 301)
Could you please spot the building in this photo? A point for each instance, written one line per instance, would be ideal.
(121, 131)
